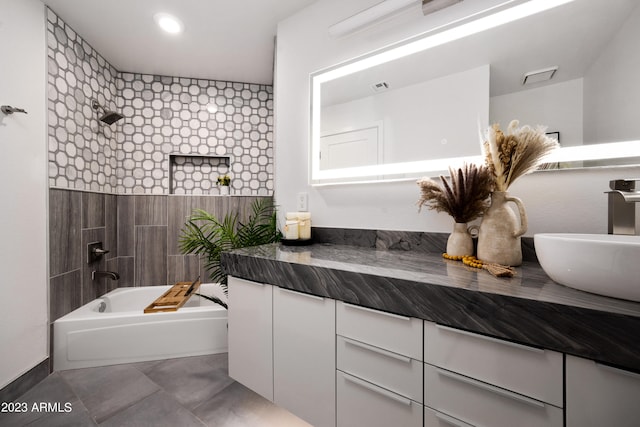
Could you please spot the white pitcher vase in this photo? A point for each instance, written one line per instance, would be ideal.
(500, 231)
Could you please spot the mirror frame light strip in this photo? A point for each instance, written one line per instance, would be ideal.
(485, 22)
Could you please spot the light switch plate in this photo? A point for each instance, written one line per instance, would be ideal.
(302, 202)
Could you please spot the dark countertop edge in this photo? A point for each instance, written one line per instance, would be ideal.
(596, 334)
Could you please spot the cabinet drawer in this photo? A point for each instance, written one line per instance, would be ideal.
(598, 395)
(399, 334)
(433, 418)
(482, 404)
(360, 403)
(393, 371)
(526, 370)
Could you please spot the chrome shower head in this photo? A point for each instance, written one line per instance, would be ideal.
(109, 117)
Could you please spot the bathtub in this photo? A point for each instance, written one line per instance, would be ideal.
(123, 333)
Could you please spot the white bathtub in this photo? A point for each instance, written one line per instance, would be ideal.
(123, 333)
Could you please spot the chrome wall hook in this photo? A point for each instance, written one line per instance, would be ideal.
(8, 109)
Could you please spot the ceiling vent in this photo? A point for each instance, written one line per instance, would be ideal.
(380, 86)
(539, 75)
(430, 6)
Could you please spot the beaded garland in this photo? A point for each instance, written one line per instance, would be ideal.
(471, 261)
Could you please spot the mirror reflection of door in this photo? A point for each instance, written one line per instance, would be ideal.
(353, 148)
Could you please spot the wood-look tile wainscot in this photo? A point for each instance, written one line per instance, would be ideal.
(141, 233)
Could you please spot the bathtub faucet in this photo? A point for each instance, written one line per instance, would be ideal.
(108, 274)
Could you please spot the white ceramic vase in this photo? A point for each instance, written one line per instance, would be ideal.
(224, 190)
(460, 242)
(500, 231)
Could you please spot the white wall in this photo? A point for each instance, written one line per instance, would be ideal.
(23, 168)
(606, 98)
(570, 201)
(432, 119)
(557, 106)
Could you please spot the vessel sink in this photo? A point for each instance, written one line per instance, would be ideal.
(602, 264)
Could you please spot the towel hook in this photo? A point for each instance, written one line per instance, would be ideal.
(8, 109)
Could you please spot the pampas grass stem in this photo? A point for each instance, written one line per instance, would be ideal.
(516, 153)
(463, 196)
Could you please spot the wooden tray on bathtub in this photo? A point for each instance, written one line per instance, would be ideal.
(174, 298)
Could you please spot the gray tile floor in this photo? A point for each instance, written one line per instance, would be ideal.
(185, 392)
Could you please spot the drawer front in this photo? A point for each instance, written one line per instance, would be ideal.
(598, 395)
(434, 418)
(526, 370)
(399, 334)
(392, 371)
(482, 404)
(360, 404)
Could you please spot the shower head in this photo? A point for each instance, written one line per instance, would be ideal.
(109, 117)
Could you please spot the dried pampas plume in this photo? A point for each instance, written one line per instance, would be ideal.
(515, 153)
(464, 198)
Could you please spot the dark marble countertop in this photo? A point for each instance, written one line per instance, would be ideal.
(529, 308)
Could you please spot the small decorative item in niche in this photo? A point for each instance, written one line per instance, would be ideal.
(509, 156)
(464, 198)
(186, 172)
(224, 182)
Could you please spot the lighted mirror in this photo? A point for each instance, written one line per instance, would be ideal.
(417, 107)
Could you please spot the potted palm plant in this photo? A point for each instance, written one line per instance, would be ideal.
(205, 235)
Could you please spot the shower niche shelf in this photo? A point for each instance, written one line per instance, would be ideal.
(195, 173)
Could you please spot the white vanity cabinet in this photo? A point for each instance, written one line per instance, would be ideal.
(598, 395)
(470, 379)
(379, 368)
(250, 317)
(282, 346)
(337, 364)
(304, 356)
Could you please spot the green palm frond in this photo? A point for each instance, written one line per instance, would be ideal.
(261, 225)
(207, 236)
(214, 299)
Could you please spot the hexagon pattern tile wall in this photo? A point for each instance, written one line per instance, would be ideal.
(162, 115)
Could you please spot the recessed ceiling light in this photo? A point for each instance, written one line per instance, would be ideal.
(168, 23)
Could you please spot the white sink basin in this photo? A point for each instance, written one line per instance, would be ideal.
(602, 264)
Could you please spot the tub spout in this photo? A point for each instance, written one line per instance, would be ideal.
(108, 274)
